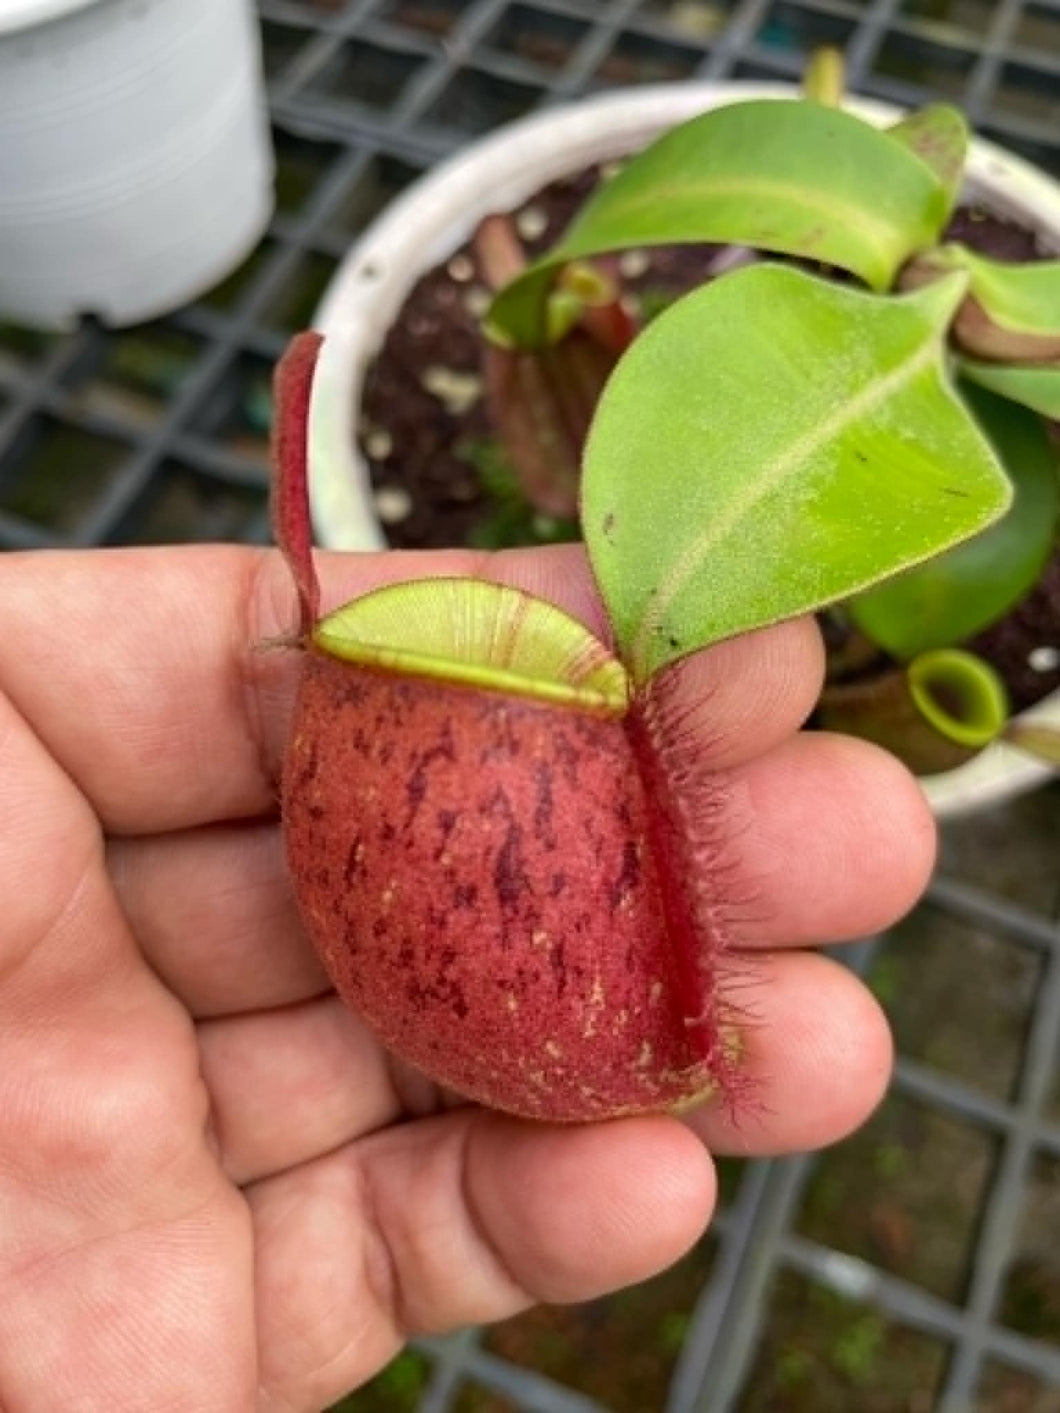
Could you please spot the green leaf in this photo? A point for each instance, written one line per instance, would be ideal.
(1012, 311)
(938, 135)
(1022, 297)
(950, 598)
(771, 444)
(1036, 387)
(783, 175)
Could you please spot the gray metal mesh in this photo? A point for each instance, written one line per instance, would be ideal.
(159, 434)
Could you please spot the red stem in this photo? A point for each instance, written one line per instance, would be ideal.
(291, 525)
(499, 251)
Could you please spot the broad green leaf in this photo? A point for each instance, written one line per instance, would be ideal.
(949, 598)
(1036, 386)
(770, 444)
(783, 175)
(938, 135)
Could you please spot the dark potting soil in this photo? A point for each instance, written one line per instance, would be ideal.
(425, 430)
(427, 437)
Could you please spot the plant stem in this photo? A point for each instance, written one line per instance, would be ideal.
(824, 80)
(499, 251)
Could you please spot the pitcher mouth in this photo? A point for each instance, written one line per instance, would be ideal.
(471, 633)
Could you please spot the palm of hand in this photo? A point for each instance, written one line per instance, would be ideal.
(211, 1197)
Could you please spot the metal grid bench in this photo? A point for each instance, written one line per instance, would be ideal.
(929, 1243)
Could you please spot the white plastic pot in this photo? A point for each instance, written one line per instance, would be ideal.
(135, 159)
(438, 214)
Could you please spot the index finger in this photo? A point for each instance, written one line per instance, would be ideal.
(140, 672)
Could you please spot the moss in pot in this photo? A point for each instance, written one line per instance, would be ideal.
(1000, 354)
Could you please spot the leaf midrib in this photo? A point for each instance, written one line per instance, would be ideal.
(782, 469)
(880, 239)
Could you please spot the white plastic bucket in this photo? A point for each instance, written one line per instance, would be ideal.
(135, 160)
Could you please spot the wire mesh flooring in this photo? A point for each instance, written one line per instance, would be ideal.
(916, 1266)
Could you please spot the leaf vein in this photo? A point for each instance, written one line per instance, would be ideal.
(877, 234)
(784, 466)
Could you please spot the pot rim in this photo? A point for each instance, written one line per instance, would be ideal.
(437, 212)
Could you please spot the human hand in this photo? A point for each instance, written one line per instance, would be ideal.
(217, 1193)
